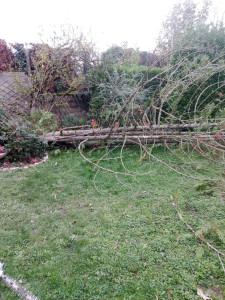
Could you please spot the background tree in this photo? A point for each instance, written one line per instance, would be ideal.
(20, 57)
(6, 57)
(115, 78)
(185, 15)
(56, 69)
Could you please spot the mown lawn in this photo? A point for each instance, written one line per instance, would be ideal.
(63, 239)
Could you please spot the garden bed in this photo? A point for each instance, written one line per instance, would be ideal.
(7, 166)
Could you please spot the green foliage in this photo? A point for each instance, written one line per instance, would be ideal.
(57, 67)
(20, 59)
(205, 185)
(56, 152)
(213, 229)
(42, 121)
(116, 85)
(185, 15)
(24, 144)
(20, 139)
(117, 55)
(200, 75)
(71, 120)
(111, 96)
(2, 111)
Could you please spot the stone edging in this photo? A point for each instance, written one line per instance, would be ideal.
(25, 167)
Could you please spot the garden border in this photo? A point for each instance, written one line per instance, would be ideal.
(25, 167)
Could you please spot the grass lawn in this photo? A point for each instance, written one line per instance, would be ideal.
(64, 240)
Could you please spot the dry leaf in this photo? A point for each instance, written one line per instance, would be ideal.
(90, 205)
(116, 245)
(54, 195)
(144, 155)
(201, 294)
(94, 233)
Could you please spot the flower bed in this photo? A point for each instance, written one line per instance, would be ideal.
(6, 166)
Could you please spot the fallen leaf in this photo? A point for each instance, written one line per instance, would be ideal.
(56, 164)
(116, 245)
(32, 221)
(90, 205)
(54, 195)
(94, 233)
(201, 294)
(59, 186)
(143, 156)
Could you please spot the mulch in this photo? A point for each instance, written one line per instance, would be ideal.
(22, 165)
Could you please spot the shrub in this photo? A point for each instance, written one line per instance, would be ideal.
(70, 121)
(110, 95)
(42, 121)
(25, 144)
(20, 139)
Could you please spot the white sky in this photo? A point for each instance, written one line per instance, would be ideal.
(107, 22)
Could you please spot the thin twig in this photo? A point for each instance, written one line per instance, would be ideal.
(221, 262)
(199, 237)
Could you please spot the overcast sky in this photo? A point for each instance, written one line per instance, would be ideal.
(107, 22)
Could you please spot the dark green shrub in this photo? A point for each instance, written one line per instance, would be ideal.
(110, 95)
(20, 139)
(70, 121)
(24, 144)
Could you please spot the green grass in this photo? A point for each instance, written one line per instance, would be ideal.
(65, 240)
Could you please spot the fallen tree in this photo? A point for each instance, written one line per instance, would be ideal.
(154, 133)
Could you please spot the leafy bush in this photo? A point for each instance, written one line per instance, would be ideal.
(110, 95)
(72, 120)
(20, 139)
(200, 71)
(43, 121)
(25, 144)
